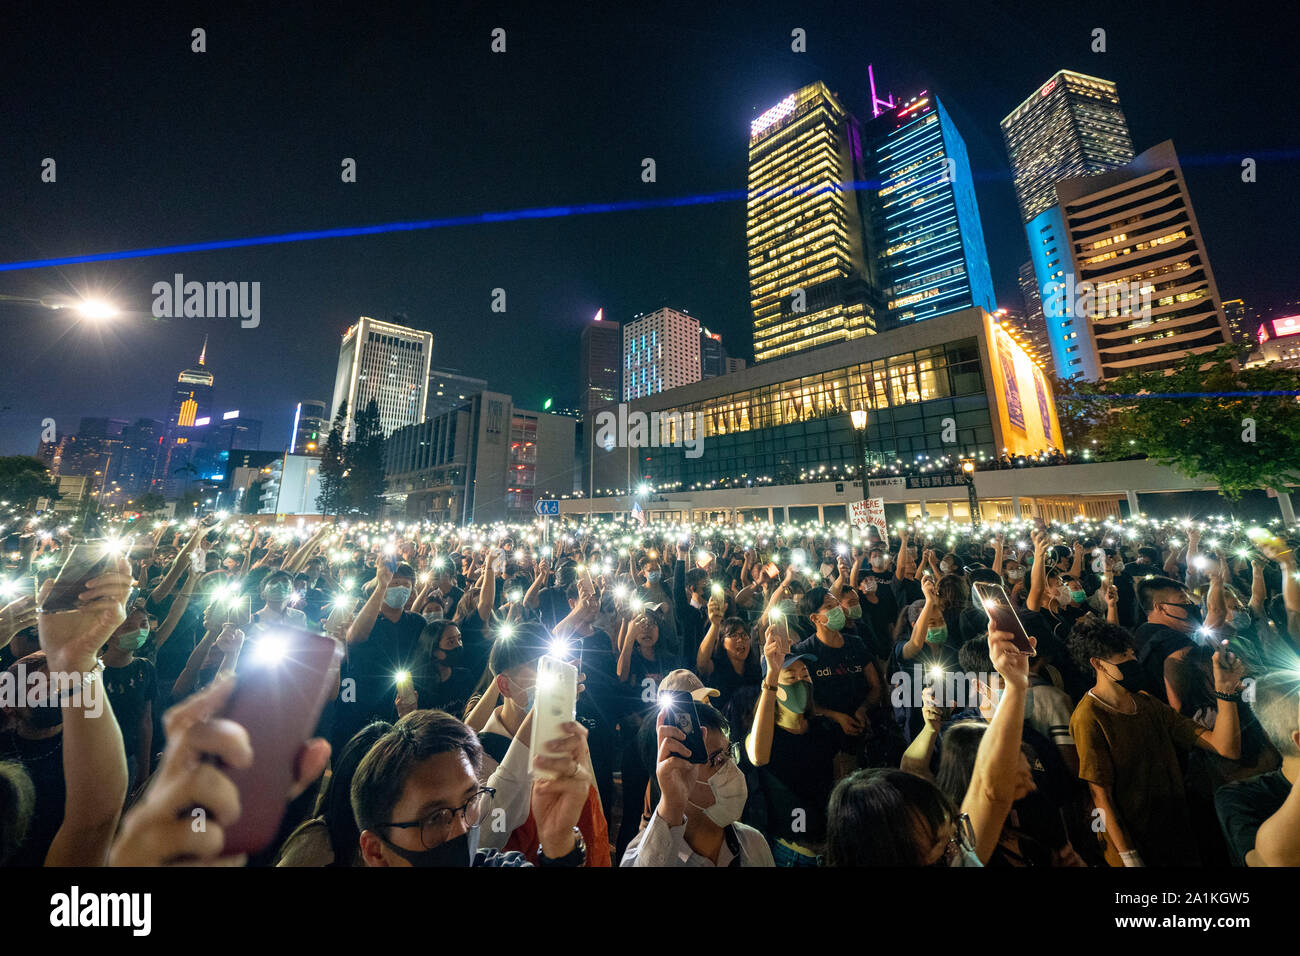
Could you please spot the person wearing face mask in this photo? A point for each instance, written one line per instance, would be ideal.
(1128, 745)
(278, 593)
(382, 639)
(438, 673)
(878, 600)
(513, 664)
(697, 819)
(132, 684)
(1170, 632)
(886, 817)
(655, 591)
(844, 677)
(418, 802)
(794, 751)
(925, 652)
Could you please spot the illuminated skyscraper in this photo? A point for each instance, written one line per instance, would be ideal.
(600, 354)
(808, 268)
(660, 350)
(1071, 126)
(191, 408)
(925, 221)
(1126, 280)
(386, 362)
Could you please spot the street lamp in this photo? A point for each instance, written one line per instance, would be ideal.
(968, 472)
(859, 418)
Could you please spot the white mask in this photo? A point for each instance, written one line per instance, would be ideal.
(729, 794)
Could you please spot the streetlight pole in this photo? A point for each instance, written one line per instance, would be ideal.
(859, 419)
(968, 472)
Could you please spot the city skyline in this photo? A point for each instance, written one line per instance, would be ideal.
(555, 274)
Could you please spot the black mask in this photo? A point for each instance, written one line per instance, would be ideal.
(453, 657)
(1191, 613)
(458, 852)
(1131, 676)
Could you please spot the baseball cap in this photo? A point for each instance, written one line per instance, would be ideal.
(682, 679)
(790, 659)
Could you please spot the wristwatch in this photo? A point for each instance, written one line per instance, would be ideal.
(575, 857)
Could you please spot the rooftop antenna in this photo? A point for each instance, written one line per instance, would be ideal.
(878, 105)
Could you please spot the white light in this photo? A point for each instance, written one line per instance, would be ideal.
(271, 649)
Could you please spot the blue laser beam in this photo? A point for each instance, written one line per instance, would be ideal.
(1262, 394)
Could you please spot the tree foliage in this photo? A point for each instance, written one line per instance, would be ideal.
(24, 479)
(352, 472)
(1208, 418)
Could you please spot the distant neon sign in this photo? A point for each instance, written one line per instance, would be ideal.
(774, 115)
(230, 415)
(1051, 85)
(1287, 326)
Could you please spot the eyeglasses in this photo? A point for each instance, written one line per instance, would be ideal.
(719, 757)
(437, 825)
(963, 838)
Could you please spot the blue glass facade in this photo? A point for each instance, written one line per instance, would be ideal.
(925, 222)
(1069, 336)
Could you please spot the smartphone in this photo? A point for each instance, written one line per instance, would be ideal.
(282, 682)
(86, 560)
(241, 613)
(1002, 615)
(678, 708)
(556, 703)
(772, 570)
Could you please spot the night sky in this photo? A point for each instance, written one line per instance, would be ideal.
(157, 145)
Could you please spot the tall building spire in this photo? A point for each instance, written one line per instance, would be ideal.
(203, 353)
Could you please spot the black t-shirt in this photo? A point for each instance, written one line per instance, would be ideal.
(881, 615)
(1157, 644)
(600, 701)
(797, 780)
(1244, 805)
(374, 662)
(130, 689)
(643, 682)
(838, 676)
(726, 681)
(43, 761)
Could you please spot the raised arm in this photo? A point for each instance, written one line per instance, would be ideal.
(1037, 574)
(359, 630)
(992, 787)
(94, 760)
(758, 745)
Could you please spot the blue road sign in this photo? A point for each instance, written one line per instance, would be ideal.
(545, 507)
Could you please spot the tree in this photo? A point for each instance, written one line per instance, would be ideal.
(150, 502)
(24, 479)
(1078, 410)
(365, 460)
(1209, 418)
(332, 499)
(253, 497)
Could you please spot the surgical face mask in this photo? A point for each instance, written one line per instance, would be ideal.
(1077, 597)
(936, 635)
(132, 640)
(1017, 575)
(796, 696)
(396, 597)
(457, 852)
(1131, 676)
(945, 567)
(835, 619)
(433, 615)
(880, 563)
(1098, 565)
(652, 577)
(854, 612)
(729, 794)
(530, 693)
(276, 592)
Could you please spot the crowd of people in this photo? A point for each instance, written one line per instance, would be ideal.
(862, 697)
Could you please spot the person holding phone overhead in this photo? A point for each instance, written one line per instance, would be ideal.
(794, 751)
(697, 820)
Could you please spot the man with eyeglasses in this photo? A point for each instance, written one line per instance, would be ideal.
(418, 801)
(696, 822)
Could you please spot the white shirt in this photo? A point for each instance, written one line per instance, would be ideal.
(662, 845)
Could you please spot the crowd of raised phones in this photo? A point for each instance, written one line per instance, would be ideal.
(1142, 706)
